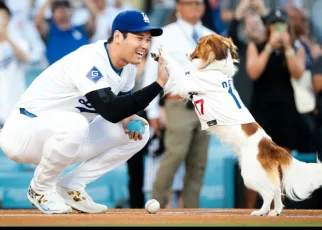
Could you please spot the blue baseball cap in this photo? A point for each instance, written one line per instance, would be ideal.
(134, 21)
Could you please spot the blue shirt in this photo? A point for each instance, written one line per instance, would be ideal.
(61, 42)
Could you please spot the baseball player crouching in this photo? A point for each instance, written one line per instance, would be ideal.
(77, 110)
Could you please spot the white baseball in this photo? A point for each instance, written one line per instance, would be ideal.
(152, 206)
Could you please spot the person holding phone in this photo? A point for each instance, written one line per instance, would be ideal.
(271, 65)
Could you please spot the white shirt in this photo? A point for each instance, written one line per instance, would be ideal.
(12, 72)
(177, 40)
(63, 85)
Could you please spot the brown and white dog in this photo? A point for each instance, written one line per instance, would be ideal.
(265, 167)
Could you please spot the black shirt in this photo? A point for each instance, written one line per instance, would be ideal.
(317, 69)
(274, 85)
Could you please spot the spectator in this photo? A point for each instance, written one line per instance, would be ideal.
(212, 17)
(299, 28)
(228, 7)
(126, 5)
(317, 83)
(14, 53)
(22, 21)
(316, 19)
(155, 153)
(105, 17)
(270, 65)
(161, 11)
(59, 31)
(184, 139)
(247, 25)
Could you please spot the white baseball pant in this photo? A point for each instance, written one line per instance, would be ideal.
(55, 139)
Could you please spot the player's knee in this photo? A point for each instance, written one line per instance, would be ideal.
(11, 151)
(75, 129)
(16, 157)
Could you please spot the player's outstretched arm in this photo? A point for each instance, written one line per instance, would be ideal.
(115, 108)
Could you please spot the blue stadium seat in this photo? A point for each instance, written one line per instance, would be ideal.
(305, 157)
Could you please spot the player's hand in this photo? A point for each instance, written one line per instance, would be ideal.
(260, 7)
(162, 71)
(274, 40)
(241, 8)
(133, 135)
(285, 39)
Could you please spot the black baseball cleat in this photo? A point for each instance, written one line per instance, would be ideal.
(319, 157)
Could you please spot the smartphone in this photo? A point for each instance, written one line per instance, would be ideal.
(280, 27)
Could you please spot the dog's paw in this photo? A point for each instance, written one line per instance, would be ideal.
(274, 213)
(257, 213)
(162, 51)
(155, 56)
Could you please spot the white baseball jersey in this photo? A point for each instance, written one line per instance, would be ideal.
(64, 84)
(216, 100)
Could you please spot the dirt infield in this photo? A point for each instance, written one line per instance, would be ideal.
(165, 217)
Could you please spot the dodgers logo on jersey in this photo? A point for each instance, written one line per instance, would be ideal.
(89, 108)
(94, 75)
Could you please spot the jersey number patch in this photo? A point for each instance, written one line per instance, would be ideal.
(201, 103)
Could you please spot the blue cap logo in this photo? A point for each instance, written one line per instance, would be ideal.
(145, 18)
(134, 21)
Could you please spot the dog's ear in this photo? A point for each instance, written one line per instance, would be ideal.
(233, 49)
(208, 52)
(203, 52)
(197, 53)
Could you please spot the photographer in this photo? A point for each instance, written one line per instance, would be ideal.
(271, 65)
(247, 25)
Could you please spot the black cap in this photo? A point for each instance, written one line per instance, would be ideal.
(276, 15)
(60, 3)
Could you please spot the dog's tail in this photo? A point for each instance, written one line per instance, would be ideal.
(300, 179)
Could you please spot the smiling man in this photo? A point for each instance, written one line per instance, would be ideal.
(77, 111)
